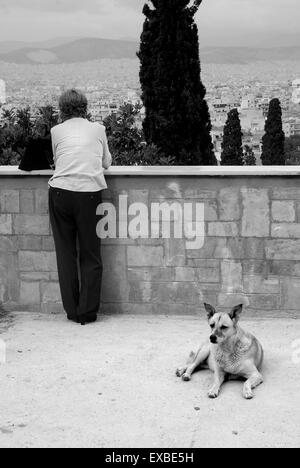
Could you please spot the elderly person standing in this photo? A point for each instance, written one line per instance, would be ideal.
(81, 153)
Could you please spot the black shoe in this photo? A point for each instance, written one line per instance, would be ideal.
(87, 319)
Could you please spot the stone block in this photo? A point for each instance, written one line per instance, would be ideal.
(175, 293)
(54, 276)
(140, 292)
(256, 213)
(283, 268)
(8, 244)
(223, 229)
(6, 224)
(229, 204)
(115, 284)
(290, 293)
(231, 248)
(286, 230)
(203, 263)
(27, 202)
(256, 267)
(31, 224)
(153, 274)
(175, 309)
(264, 301)
(37, 261)
(200, 194)
(255, 284)
(145, 256)
(51, 292)
(198, 275)
(48, 243)
(41, 201)
(231, 276)
(114, 289)
(210, 210)
(29, 293)
(290, 193)
(172, 191)
(30, 243)
(175, 251)
(34, 276)
(3, 292)
(283, 249)
(9, 201)
(164, 293)
(213, 248)
(229, 300)
(251, 249)
(283, 211)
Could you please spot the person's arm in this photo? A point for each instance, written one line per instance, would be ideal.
(107, 158)
(53, 147)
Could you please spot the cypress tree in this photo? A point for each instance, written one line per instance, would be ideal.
(273, 153)
(177, 116)
(232, 154)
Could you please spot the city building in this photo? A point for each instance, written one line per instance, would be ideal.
(2, 92)
(296, 92)
(291, 126)
(252, 120)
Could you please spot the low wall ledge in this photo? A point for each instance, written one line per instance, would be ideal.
(174, 171)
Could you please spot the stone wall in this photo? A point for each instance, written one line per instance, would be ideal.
(251, 251)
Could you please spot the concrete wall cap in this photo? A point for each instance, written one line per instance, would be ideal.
(175, 171)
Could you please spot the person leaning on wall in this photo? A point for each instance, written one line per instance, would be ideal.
(81, 154)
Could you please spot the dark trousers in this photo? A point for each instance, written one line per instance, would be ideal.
(78, 249)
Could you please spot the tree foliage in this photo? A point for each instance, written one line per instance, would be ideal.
(127, 143)
(177, 116)
(249, 156)
(292, 150)
(273, 153)
(18, 127)
(232, 147)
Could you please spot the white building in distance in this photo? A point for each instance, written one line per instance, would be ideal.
(2, 92)
(296, 92)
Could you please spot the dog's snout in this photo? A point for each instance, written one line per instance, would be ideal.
(213, 339)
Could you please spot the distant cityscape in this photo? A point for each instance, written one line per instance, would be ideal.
(110, 83)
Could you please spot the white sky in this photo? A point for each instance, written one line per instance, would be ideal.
(221, 22)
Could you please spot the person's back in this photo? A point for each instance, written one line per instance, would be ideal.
(80, 153)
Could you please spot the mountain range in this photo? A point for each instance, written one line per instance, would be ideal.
(72, 50)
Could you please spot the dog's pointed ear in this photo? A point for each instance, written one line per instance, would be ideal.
(211, 311)
(236, 312)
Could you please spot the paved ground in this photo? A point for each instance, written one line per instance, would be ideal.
(113, 384)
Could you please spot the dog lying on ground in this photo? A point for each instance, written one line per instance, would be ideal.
(229, 353)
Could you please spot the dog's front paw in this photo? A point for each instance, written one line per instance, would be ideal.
(180, 371)
(248, 394)
(214, 393)
(186, 377)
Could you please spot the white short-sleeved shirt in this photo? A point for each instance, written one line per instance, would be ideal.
(81, 154)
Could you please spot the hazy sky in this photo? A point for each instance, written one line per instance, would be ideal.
(221, 22)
